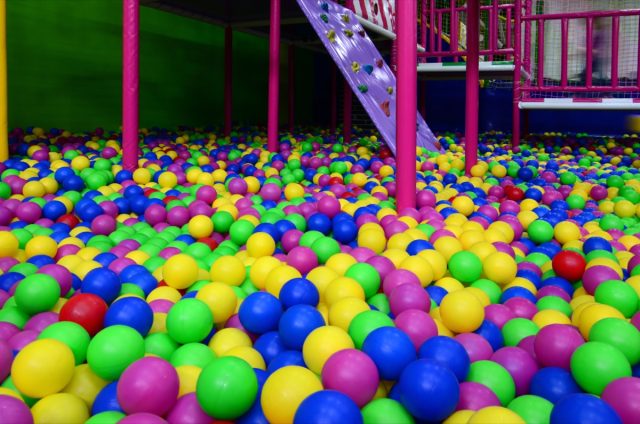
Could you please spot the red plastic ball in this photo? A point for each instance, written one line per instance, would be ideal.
(569, 265)
(515, 194)
(85, 309)
(69, 219)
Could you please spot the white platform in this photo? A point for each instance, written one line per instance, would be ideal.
(582, 104)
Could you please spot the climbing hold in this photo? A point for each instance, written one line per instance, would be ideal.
(390, 90)
(362, 32)
(363, 88)
(348, 33)
(385, 108)
(331, 35)
(345, 18)
(379, 63)
(324, 18)
(368, 69)
(355, 67)
(325, 6)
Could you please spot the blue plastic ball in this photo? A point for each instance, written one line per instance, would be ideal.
(391, 350)
(553, 384)
(269, 345)
(285, 359)
(260, 312)
(131, 311)
(107, 399)
(296, 324)
(418, 246)
(447, 352)
(596, 243)
(102, 282)
(429, 391)
(583, 408)
(299, 291)
(344, 230)
(491, 333)
(328, 407)
(319, 222)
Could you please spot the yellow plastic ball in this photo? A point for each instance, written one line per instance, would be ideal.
(180, 271)
(340, 262)
(341, 288)
(9, 244)
(80, 162)
(188, 377)
(280, 276)
(284, 391)
(461, 311)
(221, 300)
(293, 191)
(260, 244)
(459, 417)
(41, 245)
(420, 267)
(342, 312)
(34, 189)
(42, 368)
(447, 246)
(463, 204)
(164, 292)
(142, 176)
(229, 270)
(227, 339)
(565, 232)
(592, 314)
(261, 269)
(495, 415)
(550, 316)
(60, 408)
(168, 180)
(500, 268)
(373, 240)
(321, 277)
(200, 226)
(437, 262)
(85, 384)
(322, 343)
(249, 355)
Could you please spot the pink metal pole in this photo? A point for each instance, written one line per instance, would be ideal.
(274, 76)
(347, 111)
(472, 84)
(228, 79)
(333, 123)
(130, 82)
(589, 49)
(517, 77)
(406, 104)
(615, 44)
(292, 85)
(564, 52)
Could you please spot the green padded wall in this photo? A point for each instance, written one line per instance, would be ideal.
(65, 59)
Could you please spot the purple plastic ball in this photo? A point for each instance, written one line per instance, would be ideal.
(148, 385)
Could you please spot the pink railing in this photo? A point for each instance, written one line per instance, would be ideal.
(539, 83)
(434, 18)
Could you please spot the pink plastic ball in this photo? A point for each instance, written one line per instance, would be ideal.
(418, 325)
(623, 395)
(61, 274)
(409, 296)
(178, 216)
(142, 418)
(396, 278)
(520, 365)
(597, 275)
(329, 206)
(523, 308)
(103, 225)
(148, 385)
(554, 345)
(383, 265)
(302, 258)
(353, 373)
(475, 396)
(28, 212)
(41, 321)
(13, 410)
(477, 347)
(155, 214)
(187, 410)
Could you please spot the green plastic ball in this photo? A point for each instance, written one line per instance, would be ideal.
(620, 334)
(160, 344)
(113, 349)
(465, 267)
(189, 320)
(386, 411)
(196, 354)
(325, 248)
(495, 377)
(620, 295)
(71, 334)
(364, 323)
(367, 276)
(540, 231)
(595, 364)
(532, 409)
(37, 293)
(517, 329)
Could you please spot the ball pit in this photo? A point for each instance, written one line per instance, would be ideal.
(222, 282)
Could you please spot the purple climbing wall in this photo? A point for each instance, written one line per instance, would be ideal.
(363, 68)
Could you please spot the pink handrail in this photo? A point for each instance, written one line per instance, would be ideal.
(615, 44)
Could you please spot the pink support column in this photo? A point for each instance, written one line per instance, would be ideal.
(130, 82)
(228, 79)
(347, 111)
(292, 84)
(394, 56)
(406, 105)
(333, 119)
(274, 76)
(518, 63)
(472, 84)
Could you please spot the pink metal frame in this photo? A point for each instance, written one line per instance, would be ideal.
(130, 82)
(274, 77)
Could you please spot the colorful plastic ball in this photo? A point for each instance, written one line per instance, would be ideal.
(195, 354)
(428, 390)
(364, 323)
(552, 384)
(324, 248)
(353, 373)
(447, 352)
(148, 385)
(323, 342)
(517, 329)
(555, 344)
(187, 410)
(622, 395)
(461, 311)
(299, 291)
(391, 350)
(532, 409)
(87, 310)
(42, 368)
(520, 365)
(60, 408)
(107, 417)
(132, 312)
(189, 321)
(180, 271)
(102, 282)
(284, 391)
(297, 323)
(500, 268)
(619, 334)
(221, 300)
(142, 418)
(596, 364)
(327, 406)
(260, 312)
(106, 400)
(37, 293)
(569, 265)
(14, 410)
(113, 349)
(495, 415)
(619, 295)
(475, 396)
(260, 244)
(384, 410)
(495, 377)
(540, 231)
(71, 334)
(583, 408)
(409, 296)
(200, 226)
(41, 245)
(103, 225)
(228, 338)
(228, 270)
(465, 267)
(8, 244)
